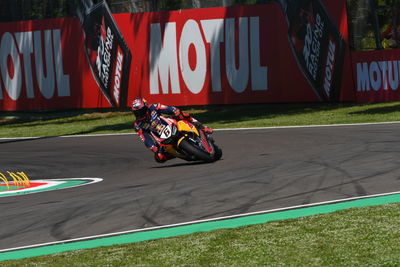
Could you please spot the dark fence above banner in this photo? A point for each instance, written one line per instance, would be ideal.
(17, 10)
(374, 24)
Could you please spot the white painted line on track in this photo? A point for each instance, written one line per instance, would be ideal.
(198, 221)
(217, 130)
(64, 136)
(309, 126)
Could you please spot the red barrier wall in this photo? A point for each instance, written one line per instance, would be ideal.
(229, 55)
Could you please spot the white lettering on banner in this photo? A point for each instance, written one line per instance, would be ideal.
(117, 77)
(214, 33)
(375, 72)
(46, 82)
(378, 75)
(164, 59)
(384, 68)
(194, 79)
(49, 72)
(312, 44)
(8, 48)
(393, 75)
(362, 77)
(237, 78)
(62, 79)
(259, 74)
(25, 45)
(103, 59)
(329, 67)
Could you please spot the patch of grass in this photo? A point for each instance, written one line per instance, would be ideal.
(58, 123)
(51, 123)
(354, 237)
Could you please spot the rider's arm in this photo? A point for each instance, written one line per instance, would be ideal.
(146, 138)
(175, 112)
(168, 110)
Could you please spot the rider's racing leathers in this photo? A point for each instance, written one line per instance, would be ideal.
(142, 127)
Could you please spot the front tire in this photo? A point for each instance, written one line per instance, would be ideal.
(218, 153)
(192, 150)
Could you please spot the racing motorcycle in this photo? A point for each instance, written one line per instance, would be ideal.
(183, 140)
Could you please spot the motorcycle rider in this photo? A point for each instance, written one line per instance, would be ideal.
(144, 113)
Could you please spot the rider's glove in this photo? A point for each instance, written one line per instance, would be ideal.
(182, 115)
(154, 149)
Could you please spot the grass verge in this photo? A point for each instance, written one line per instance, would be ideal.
(56, 123)
(354, 237)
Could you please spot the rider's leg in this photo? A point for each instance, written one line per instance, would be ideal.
(162, 156)
(186, 116)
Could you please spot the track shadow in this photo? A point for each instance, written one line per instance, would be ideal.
(8, 141)
(16, 118)
(114, 127)
(245, 112)
(181, 164)
(378, 110)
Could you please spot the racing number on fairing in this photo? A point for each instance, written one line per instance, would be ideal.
(165, 132)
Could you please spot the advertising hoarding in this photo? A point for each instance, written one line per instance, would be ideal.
(225, 55)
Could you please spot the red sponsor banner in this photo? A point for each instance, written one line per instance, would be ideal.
(239, 54)
(376, 75)
(43, 66)
(213, 56)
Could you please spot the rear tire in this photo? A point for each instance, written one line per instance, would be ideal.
(192, 150)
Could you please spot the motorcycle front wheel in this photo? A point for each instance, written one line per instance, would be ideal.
(192, 150)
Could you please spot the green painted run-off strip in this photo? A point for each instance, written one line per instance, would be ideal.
(200, 227)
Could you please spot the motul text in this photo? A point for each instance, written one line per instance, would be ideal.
(45, 71)
(378, 75)
(329, 66)
(117, 76)
(169, 59)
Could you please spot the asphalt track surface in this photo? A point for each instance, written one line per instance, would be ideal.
(261, 169)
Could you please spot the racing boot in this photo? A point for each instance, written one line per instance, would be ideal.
(161, 156)
(185, 116)
(205, 129)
